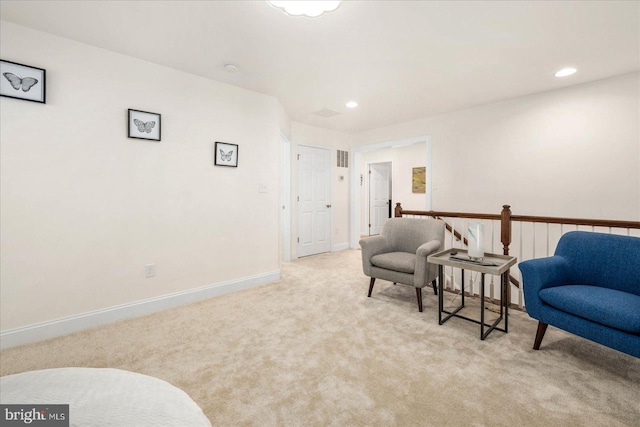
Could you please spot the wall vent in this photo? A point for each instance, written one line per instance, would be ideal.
(325, 112)
(343, 159)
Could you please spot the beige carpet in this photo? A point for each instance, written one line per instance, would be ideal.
(313, 350)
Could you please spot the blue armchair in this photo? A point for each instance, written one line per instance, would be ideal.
(590, 287)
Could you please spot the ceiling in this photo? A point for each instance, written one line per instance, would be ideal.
(400, 60)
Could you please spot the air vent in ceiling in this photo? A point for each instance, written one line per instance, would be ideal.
(325, 112)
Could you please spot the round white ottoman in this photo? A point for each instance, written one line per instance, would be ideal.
(105, 397)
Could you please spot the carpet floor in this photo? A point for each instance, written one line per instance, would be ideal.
(313, 350)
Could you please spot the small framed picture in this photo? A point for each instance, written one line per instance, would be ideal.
(144, 125)
(226, 154)
(22, 82)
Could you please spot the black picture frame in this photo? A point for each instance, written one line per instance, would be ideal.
(20, 81)
(226, 154)
(144, 125)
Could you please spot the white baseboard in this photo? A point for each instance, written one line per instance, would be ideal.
(340, 247)
(54, 328)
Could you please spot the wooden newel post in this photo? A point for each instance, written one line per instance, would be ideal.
(505, 238)
(398, 211)
(505, 229)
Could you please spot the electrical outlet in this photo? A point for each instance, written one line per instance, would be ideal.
(149, 270)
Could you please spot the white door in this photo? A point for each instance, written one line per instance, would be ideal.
(378, 196)
(314, 197)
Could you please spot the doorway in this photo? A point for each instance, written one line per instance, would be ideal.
(356, 214)
(380, 188)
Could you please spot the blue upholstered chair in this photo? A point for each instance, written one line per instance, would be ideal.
(590, 287)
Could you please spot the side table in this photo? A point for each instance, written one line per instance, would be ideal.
(493, 264)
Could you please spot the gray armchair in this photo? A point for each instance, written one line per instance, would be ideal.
(399, 253)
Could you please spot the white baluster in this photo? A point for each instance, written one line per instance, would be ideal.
(519, 257)
(534, 240)
(547, 254)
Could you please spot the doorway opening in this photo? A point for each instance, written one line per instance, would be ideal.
(358, 219)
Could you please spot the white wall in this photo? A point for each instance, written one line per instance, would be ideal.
(84, 208)
(572, 152)
(284, 121)
(333, 140)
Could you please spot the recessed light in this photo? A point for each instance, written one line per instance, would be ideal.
(230, 68)
(352, 104)
(308, 8)
(565, 72)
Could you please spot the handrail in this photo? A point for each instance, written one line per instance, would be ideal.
(449, 214)
(506, 218)
(577, 221)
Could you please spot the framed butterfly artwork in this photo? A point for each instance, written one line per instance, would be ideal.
(226, 154)
(143, 125)
(22, 82)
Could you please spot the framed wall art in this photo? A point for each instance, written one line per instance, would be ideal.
(226, 154)
(143, 125)
(22, 82)
(419, 182)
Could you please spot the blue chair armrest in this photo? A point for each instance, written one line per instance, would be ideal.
(541, 273)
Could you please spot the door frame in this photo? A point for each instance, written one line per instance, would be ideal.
(285, 198)
(297, 193)
(355, 201)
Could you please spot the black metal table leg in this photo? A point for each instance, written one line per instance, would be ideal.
(462, 290)
(505, 303)
(441, 309)
(482, 306)
(440, 292)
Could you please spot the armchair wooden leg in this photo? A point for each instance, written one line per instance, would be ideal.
(419, 295)
(373, 280)
(542, 328)
(435, 287)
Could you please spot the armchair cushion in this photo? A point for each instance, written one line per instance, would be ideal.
(397, 261)
(608, 307)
